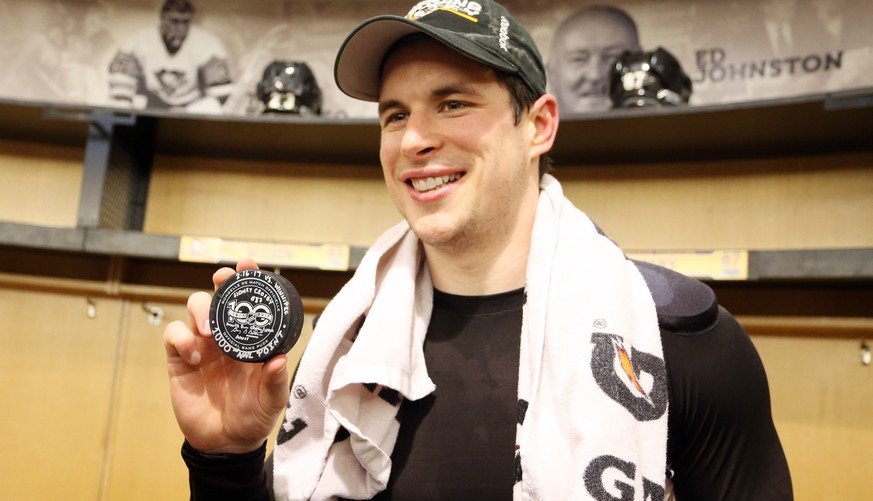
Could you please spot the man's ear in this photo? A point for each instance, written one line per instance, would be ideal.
(544, 117)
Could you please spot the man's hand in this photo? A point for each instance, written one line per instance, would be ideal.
(221, 405)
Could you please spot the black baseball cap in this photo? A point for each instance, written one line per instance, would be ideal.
(483, 31)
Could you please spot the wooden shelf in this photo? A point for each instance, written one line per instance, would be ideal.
(763, 265)
(822, 123)
(815, 283)
(33, 122)
(835, 122)
(818, 123)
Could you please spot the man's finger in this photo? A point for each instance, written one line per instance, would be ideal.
(246, 264)
(181, 343)
(198, 310)
(221, 275)
(274, 383)
(224, 273)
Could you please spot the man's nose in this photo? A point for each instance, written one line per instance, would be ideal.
(591, 71)
(420, 136)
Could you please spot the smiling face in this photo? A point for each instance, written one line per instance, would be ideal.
(456, 164)
(583, 53)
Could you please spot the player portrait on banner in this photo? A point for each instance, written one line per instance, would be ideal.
(177, 65)
(209, 57)
(585, 47)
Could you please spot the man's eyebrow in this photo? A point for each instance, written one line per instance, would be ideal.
(391, 103)
(455, 89)
(447, 90)
(617, 46)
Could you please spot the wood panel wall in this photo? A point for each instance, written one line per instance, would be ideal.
(268, 200)
(40, 183)
(822, 400)
(768, 203)
(765, 203)
(58, 368)
(85, 413)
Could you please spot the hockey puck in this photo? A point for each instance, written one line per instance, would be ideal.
(256, 315)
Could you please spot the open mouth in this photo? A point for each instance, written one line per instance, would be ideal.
(430, 183)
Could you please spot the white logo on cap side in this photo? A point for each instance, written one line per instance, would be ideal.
(503, 37)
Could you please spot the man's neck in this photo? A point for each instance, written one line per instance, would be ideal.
(499, 267)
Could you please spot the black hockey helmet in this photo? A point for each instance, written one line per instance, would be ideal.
(653, 78)
(289, 87)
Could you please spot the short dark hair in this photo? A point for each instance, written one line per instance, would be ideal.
(521, 98)
(178, 6)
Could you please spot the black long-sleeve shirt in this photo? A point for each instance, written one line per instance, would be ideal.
(457, 442)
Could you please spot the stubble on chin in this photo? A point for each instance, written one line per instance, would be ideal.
(452, 238)
(442, 238)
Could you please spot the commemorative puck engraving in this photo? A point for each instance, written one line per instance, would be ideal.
(255, 315)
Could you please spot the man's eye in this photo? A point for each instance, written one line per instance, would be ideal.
(580, 59)
(612, 55)
(453, 105)
(394, 117)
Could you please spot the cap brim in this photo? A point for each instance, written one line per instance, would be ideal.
(358, 67)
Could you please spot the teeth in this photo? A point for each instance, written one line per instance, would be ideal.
(433, 182)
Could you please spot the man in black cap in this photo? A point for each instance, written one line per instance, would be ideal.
(494, 344)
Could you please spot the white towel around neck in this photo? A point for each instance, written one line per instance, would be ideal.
(592, 385)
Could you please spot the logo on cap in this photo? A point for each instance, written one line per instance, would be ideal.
(504, 33)
(463, 8)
